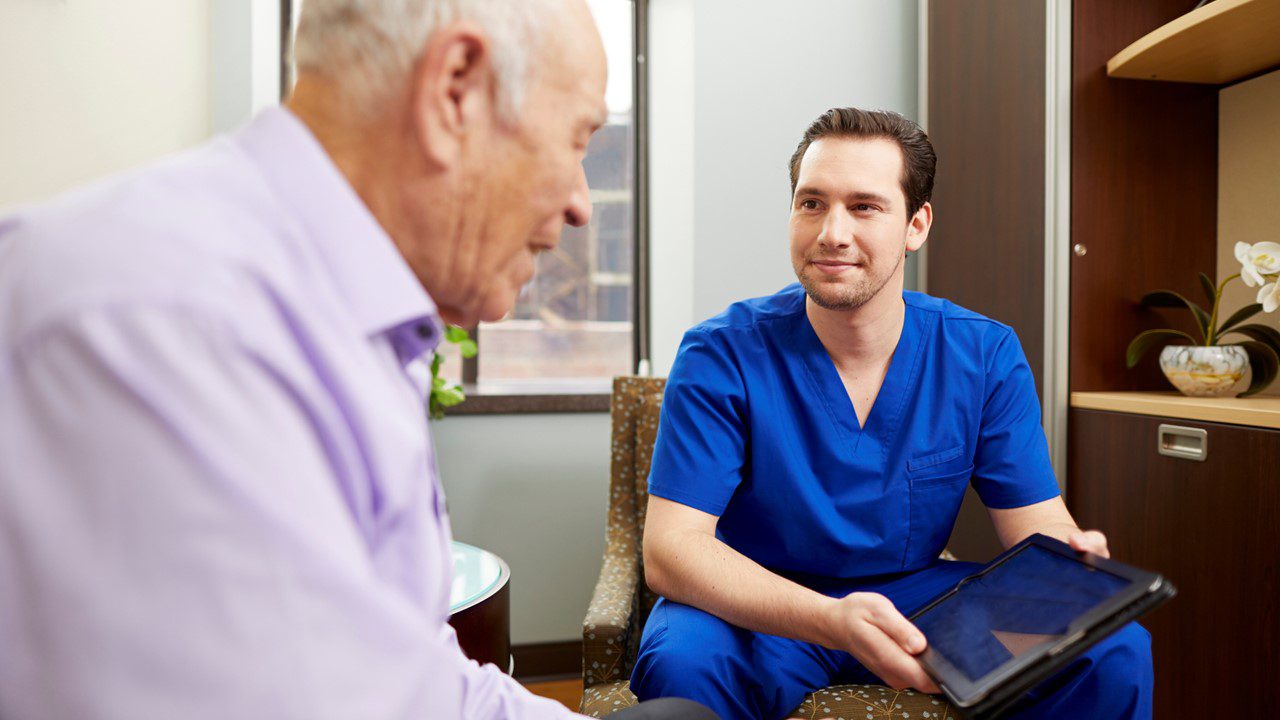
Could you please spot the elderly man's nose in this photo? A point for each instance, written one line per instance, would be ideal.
(578, 212)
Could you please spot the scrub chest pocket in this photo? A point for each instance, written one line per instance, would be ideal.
(936, 482)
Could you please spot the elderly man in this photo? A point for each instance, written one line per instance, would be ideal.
(218, 498)
(814, 448)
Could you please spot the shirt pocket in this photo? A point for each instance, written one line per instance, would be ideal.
(936, 486)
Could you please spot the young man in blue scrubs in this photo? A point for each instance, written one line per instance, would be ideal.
(815, 446)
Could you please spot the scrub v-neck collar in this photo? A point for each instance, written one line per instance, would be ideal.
(886, 411)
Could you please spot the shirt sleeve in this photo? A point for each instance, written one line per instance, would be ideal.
(1011, 463)
(176, 544)
(701, 445)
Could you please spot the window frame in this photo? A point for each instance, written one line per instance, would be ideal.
(592, 395)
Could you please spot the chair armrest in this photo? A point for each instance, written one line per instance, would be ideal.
(610, 619)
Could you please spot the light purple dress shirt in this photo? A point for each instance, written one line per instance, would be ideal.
(218, 498)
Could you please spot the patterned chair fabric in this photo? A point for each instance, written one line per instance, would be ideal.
(621, 601)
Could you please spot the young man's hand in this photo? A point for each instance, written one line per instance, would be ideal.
(1089, 541)
(870, 628)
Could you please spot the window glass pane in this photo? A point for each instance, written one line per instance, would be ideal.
(574, 320)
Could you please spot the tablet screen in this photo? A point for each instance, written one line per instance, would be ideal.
(1024, 602)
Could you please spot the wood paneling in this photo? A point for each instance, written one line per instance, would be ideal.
(986, 97)
(986, 121)
(548, 660)
(1211, 528)
(1143, 193)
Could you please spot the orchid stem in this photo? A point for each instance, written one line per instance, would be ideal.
(1211, 332)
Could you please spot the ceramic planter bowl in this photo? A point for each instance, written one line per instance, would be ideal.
(1212, 371)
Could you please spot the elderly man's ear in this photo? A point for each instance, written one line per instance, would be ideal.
(453, 91)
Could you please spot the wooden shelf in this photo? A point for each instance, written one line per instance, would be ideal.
(1253, 411)
(1219, 43)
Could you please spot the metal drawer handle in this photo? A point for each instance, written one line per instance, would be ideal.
(1183, 442)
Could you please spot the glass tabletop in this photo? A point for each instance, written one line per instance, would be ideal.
(476, 573)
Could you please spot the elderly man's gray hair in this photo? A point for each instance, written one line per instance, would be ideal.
(369, 46)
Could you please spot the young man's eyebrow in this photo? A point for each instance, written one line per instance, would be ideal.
(869, 197)
(808, 190)
(858, 196)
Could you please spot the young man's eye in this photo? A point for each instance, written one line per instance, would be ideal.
(809, 205)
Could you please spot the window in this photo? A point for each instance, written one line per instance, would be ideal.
(582, 319)
(576, 324)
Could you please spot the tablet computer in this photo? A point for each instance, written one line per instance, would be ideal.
(1024, 616)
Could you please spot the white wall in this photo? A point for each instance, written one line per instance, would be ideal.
(91, 87)
(532, 489)
(732, 87)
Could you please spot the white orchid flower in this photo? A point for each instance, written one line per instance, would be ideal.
(1269, 296)
(1258, 260)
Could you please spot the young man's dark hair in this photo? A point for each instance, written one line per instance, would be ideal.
(918, 158)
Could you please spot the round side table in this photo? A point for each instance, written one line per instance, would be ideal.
(479, 605)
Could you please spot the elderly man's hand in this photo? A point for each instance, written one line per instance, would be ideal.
(1089, 541)
(870, 628)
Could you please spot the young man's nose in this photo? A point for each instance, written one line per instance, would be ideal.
(837, 230)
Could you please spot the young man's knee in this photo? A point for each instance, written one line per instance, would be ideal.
(1124, 658)
(677, 669)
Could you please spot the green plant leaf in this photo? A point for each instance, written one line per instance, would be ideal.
(468, 348)
(455, 334)
(1261, 333)
(1169, 298)
(1210, 290)
(1264, 363)
(1237, 317)
(449, 396)
(1147, 338)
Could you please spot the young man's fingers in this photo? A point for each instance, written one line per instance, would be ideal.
(884, 657)
(1089, 541)
(904, 671)
(894, 624)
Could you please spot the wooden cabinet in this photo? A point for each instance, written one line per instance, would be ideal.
(1212, 528)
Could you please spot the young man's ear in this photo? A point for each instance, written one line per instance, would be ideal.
(918, 227)
(453, 90)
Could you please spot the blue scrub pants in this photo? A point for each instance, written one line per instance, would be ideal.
(740, 674)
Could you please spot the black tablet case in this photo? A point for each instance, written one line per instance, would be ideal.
(1000, 699)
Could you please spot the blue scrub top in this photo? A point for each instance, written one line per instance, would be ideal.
(757, 428)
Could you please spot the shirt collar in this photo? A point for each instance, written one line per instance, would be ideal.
(382, 292)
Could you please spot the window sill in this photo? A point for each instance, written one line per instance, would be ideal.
(534, 398)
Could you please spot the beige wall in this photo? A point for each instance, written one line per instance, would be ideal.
(91, 87)
(1248, 181)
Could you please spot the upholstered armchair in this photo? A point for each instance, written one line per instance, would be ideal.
(621, 601)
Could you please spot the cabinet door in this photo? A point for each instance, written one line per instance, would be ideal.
(1213, 529)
